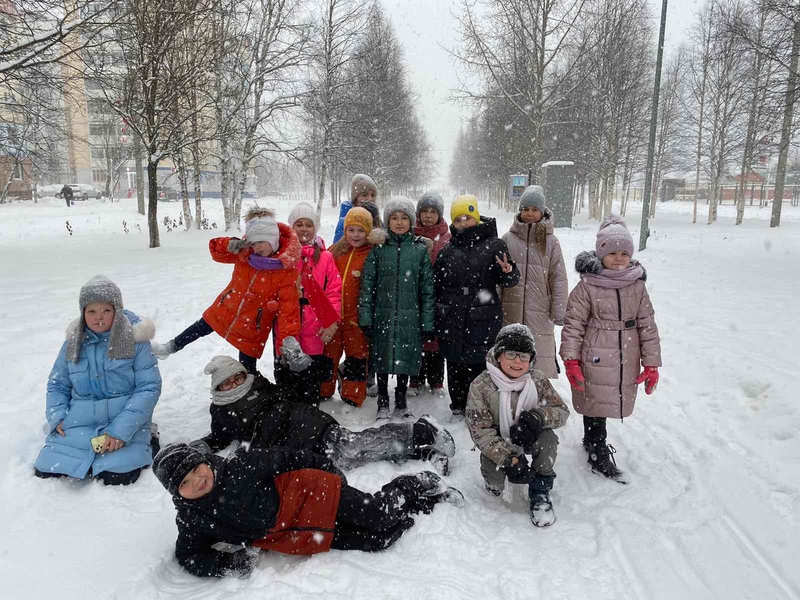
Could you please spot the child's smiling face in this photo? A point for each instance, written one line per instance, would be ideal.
(356, 236)
(197, 483)
(514, 367)
(368, 196)
(617, 260)
(305, 230)
(530, 214)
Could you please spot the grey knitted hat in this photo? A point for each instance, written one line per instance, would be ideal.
(120, 342)
(533, 196)
(613, 236)
(174, 462)
(304, 210)
(361, 183)
(431, 200)
(261, 226)
(221, 368)
(400, 204)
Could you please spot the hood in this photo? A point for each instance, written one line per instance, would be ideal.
(290, 249)
(547, 224)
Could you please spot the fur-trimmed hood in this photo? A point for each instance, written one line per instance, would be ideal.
(290, 249)
(588, 262)
(141, 330)
(541, 230)
(380, 236)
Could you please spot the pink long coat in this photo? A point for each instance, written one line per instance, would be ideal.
(327, 276)
(613, 333)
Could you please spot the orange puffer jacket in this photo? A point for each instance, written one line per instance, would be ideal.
(350, 263)
(244, 312)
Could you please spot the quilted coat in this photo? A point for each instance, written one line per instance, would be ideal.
(397, 302)
(350, 263)
(327, 276)
(483, 412)
(539, 300)
(466, 275)
(613, 333)
(243, 313)
(97, 395)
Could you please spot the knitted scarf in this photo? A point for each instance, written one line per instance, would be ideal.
(528, 398)
(608, 278)
(264, 263)
(221, 398)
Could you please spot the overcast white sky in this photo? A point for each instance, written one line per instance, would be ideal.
(424, 26)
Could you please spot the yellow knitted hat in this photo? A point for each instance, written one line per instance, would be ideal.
(465, 205)
(360, 217)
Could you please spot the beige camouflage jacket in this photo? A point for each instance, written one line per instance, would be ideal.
(483, 413)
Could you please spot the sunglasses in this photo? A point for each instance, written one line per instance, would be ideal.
(232, 382)
(512, 355)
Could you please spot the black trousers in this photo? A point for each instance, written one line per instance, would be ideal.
(201, 328)
(459, 378)
(399, 390)
(107, 477)
(372, 522)
(594, 429)
(431, 370)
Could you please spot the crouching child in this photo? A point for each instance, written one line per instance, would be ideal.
(512, 411)
(285, 501)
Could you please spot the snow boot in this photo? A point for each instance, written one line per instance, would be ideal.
(541, 506)
(440, 463)
(438, 391)
(601, 460)
(382, 414)
(163, 351)
(454, 497)
(414, 390)
(372, 385)
(491, 489)
(443, 442)
(402, 413)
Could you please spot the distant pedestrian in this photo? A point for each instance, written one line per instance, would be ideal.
(66, 191)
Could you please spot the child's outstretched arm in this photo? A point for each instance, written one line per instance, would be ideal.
(221, 251)
(195, 553)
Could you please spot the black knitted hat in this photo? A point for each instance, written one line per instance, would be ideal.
(174, 462)
(516, 337)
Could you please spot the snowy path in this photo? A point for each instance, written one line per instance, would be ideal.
(712, 510)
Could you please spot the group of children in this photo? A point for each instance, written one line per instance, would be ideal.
(401, 300)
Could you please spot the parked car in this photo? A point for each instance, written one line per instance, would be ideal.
(81, 191)
(48, 191)
(167, 193)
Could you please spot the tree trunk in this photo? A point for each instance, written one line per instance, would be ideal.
(137, 156)
(152, 203)
(198, 191)
(183, 176)
(786, 130)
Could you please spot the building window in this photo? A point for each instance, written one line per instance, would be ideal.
(18, 172)
(98, 176)
(98, 153)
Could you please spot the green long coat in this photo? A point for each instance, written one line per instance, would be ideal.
(397, 302)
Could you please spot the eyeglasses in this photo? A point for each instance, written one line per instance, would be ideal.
(523, 356)
(232, 382)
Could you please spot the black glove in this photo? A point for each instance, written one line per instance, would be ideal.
(367, 331)
(528, 427)
(520, 472)
(241, 563)
(235, 245)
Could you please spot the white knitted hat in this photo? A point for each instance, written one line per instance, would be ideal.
(400, 204)
(221, 368)
(261, 226)
(304, 210)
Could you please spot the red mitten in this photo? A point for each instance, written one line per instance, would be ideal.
(650, 378)
(574, 374)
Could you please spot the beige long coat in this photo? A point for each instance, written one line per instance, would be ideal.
(540, 298)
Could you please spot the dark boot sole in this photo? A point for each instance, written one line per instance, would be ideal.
(618, 478)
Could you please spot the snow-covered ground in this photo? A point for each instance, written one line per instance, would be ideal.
(712, 510)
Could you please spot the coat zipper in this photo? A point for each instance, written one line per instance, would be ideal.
(241, 303)
(621, 355)
(258, 317)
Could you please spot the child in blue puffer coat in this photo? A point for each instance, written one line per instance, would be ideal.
(104, 386)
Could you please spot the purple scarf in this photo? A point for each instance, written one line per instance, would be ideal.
(264, 263)
(614, 280)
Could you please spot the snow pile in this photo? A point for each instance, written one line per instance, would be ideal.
(712, 510)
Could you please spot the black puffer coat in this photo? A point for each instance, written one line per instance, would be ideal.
(241, 508)
(466, 275)
(268, 416)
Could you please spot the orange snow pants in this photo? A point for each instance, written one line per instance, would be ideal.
(349, 340)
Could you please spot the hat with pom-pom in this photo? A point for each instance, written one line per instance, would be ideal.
(613, 236)
(261, 226)
(516, 337)
(174, 462)
(221, 368)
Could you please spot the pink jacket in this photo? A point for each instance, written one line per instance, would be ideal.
(612, 331)
(327, 276)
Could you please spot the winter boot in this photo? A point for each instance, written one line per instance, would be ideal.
(454, 497)
(402, 412)
(442, 442)
(541, 506)
(438, 390)
(491, 489)
(415, 388)
(601, 460)
(372, 385)
(155, 439)
(163, 351)
(382, 414)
